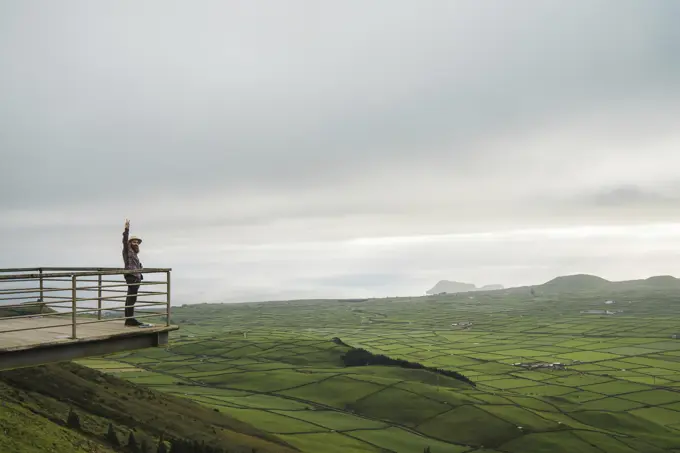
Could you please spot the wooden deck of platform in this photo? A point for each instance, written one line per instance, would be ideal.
(49, 339)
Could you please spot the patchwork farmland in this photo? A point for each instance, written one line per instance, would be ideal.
(547, 376)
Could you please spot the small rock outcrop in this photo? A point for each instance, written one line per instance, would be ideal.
(451, 287)
(491, 287)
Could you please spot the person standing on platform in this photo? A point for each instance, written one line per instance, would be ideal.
(131, 260)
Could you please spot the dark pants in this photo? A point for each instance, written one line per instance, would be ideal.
(133, 288)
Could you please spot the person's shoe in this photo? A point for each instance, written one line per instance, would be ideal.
(132, 322)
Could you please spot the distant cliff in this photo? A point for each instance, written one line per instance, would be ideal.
(491, 287)
(446, 286)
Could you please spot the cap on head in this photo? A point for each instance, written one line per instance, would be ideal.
(135, 238)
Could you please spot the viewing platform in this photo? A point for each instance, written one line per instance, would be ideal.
(59, 314)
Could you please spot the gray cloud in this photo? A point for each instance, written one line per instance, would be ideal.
(228, 96)
(300, 122)
(631, 195)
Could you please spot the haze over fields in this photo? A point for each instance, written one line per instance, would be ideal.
(279, 150)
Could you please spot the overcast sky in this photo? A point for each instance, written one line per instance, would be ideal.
(284, 149)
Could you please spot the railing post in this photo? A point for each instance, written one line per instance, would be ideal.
(42, 290)
(167, 314)
(41, 285)
(73, 306)
(99, 297)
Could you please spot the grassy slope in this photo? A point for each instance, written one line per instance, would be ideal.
(26, 432)
(49, 391)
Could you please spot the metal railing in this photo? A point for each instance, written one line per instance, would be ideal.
(65, 290)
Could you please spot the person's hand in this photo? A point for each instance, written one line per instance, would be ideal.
(127, 224)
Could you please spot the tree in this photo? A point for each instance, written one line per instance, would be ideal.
(132, 443)
(144, 448)
(180, 446)
(73, 420)
(161, 446)
(112, 437)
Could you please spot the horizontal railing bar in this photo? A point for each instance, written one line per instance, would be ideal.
(33, 279)
(67, 277)
(62, 299)
(56, 268)
(17, 298)
(65, 270)
(119, 285)
(80, 299)
(69, 301)
(78, 268)
(81, 310)
(145, 310)
(27, 290)
(121, 271)
(93, 280)
(124, 291)
(69, 280)
(145, 293)
(19, 269)
(110, 299)
(52, 289)
(122, 307)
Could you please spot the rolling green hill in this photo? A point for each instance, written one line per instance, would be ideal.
(38, 400)
(576, 282)
(584, 282)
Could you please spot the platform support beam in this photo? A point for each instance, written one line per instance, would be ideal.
(40, 355)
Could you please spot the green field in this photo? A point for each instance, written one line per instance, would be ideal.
(274, 365)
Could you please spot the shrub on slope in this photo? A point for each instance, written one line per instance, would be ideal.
(362, 357)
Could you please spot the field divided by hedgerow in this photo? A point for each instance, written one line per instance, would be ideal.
(547, 376)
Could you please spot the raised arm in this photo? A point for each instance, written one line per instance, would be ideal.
(126, 233)
(126, 245)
